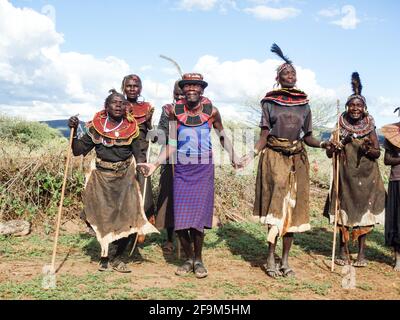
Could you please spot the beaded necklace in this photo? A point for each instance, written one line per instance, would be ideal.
(106, 130)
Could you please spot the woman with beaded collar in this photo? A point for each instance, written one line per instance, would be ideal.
(361, 189)
(282, 185)
(112, 202)
(142, 111)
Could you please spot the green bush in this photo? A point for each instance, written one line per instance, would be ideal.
(31, 134)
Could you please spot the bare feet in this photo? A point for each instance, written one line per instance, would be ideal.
(360, 262)
(287, 271)
(200, 270)
(186, 268)
(120, 266)
(168, 247)
(271, 268)
(342, 260)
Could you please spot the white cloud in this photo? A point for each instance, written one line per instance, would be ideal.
(146, 68)
(235, 82)
(207, 5)
(349, 19)
(37, 79)
(191, 5)
(329, 13)
(263, 1)
(40, 81)
(387, 106)
(267, 13)
(225, 5)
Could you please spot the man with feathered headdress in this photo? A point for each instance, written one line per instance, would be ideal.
(191, 121)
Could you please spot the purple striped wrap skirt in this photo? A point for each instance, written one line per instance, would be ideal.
(194, 195)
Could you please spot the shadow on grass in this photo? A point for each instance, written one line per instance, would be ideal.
(91, 247)
(246, 240)
(159, 239)
(376, 249)
(319, 240)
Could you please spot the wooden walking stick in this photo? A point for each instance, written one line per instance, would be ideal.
(52, 270)
(60, 207)
(336, 183)
(144, 197)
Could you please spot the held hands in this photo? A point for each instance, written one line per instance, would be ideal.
(147, 169)
(246, 159)
(366, 146)
(328, 145)
(236, 163)
(331, 146)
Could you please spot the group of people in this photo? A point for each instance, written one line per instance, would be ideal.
(118, 200)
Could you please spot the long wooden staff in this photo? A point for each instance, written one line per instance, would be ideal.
(144, 196)
(60, 207)
(336, 164)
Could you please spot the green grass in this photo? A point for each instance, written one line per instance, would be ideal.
(245, 242)
(292, 285)
(89, 286)
(164, 294)
(233, 290)
(92, 286)
(365, 287)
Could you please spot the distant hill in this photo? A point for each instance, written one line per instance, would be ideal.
(61, 125)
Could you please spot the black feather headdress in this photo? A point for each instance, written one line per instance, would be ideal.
(357, 89)
(275, 49)
(356, 83)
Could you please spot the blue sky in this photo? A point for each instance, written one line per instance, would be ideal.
(227, 40)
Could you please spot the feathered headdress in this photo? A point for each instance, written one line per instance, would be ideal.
(275, 49)
(357, 89)
(176, 65)
(356, 83)
(288, 63)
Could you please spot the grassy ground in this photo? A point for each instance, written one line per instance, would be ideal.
(234, 255)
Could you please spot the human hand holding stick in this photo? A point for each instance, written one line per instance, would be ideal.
(147, 169)
(366, 146)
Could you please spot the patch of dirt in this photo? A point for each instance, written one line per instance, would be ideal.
(230, 277)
